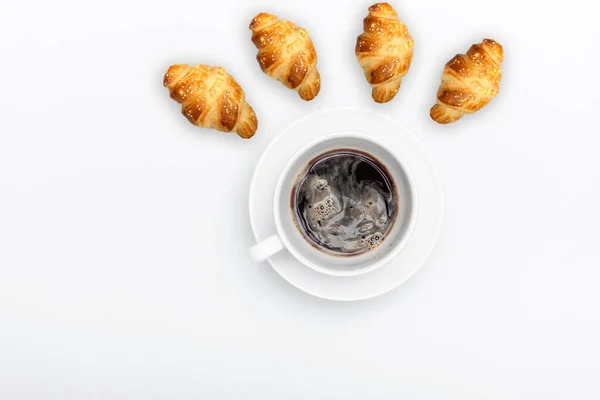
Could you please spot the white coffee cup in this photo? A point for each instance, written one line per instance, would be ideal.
(288, 235)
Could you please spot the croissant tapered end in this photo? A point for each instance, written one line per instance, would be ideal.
(174, 74)
(494, 49)
(384, 10)
(384, 51)
(248, 123)
(286, 53)
(385, 92)
(261, 21)
(469, 82)
(444, 115)
(311, 86)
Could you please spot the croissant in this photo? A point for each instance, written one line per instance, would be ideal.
(384, 51)
(469, 82)
(211, 98)
(286, 53)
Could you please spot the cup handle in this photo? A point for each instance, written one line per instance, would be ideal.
(265, 249)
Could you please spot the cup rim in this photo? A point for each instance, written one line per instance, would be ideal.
(375, 264)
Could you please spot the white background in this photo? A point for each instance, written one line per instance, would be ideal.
(124, 229)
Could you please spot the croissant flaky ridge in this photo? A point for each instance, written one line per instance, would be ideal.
(384, 51)
(469, 82)
(211, 98)
(286, 53)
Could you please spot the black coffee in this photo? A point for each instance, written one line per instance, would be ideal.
(345, 202)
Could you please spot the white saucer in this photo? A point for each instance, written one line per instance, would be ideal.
(416, 249)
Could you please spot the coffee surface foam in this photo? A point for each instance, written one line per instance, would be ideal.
(345, 202)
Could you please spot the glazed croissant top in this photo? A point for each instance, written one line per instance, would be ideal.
(211, 98)
(286, 53)
(384, 51)
(469, 82)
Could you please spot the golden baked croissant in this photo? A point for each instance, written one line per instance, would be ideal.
(384, 51)
(211, 98)
(469, 82)
(286, 53)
